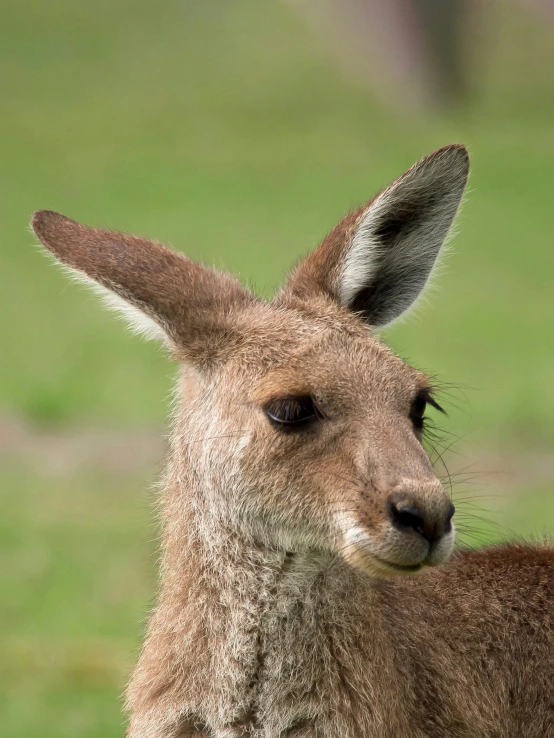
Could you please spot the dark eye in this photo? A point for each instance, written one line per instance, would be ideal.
(417, 412)
(419, 405)
(292, 413)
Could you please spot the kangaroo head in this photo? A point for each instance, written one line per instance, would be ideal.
(298, 427)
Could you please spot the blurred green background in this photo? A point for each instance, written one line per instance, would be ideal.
(234, 132)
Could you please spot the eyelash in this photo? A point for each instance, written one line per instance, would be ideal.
(293, 413)
(419, 405)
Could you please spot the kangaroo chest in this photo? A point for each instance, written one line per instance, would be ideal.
(301, 661)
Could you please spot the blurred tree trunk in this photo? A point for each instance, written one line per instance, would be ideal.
(410, 51)
(441, 25)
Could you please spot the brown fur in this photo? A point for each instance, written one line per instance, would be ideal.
(273, 619)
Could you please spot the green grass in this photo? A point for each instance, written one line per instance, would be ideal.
(76, 573)
(229, 131)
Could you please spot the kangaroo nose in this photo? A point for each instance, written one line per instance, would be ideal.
(406, 515)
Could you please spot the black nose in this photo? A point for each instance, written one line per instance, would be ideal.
(406, 516)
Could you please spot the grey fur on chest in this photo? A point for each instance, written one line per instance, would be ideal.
(285, 663)
(270, 658)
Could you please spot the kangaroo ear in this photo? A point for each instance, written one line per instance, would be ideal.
(162, 293)
(377, 260)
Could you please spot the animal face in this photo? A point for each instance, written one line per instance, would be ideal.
(309, 436)
(300, 428)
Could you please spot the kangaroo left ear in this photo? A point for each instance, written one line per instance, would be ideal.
(163, 294)
(377, 260)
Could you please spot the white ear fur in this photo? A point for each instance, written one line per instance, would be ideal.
(360, 260)
(138, 322)
(398, 239)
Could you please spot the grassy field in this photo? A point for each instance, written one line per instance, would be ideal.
(228, 130)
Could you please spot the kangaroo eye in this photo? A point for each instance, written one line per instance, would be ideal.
(419, 405)
(292, 413)
(417, 411)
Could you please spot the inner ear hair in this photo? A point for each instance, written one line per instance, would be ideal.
(377, 260)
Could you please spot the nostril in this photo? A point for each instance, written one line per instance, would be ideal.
(406, 516)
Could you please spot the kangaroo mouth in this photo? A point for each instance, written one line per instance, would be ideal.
(363, 558)
(399, 568)
(393, 553)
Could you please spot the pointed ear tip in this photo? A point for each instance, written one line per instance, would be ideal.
(40, 220)
(455, 153)
(44, 220)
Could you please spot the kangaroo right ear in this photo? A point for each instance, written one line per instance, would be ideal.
(162, 293)
(377, 260)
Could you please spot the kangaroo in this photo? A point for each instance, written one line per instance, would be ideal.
(309, 584)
